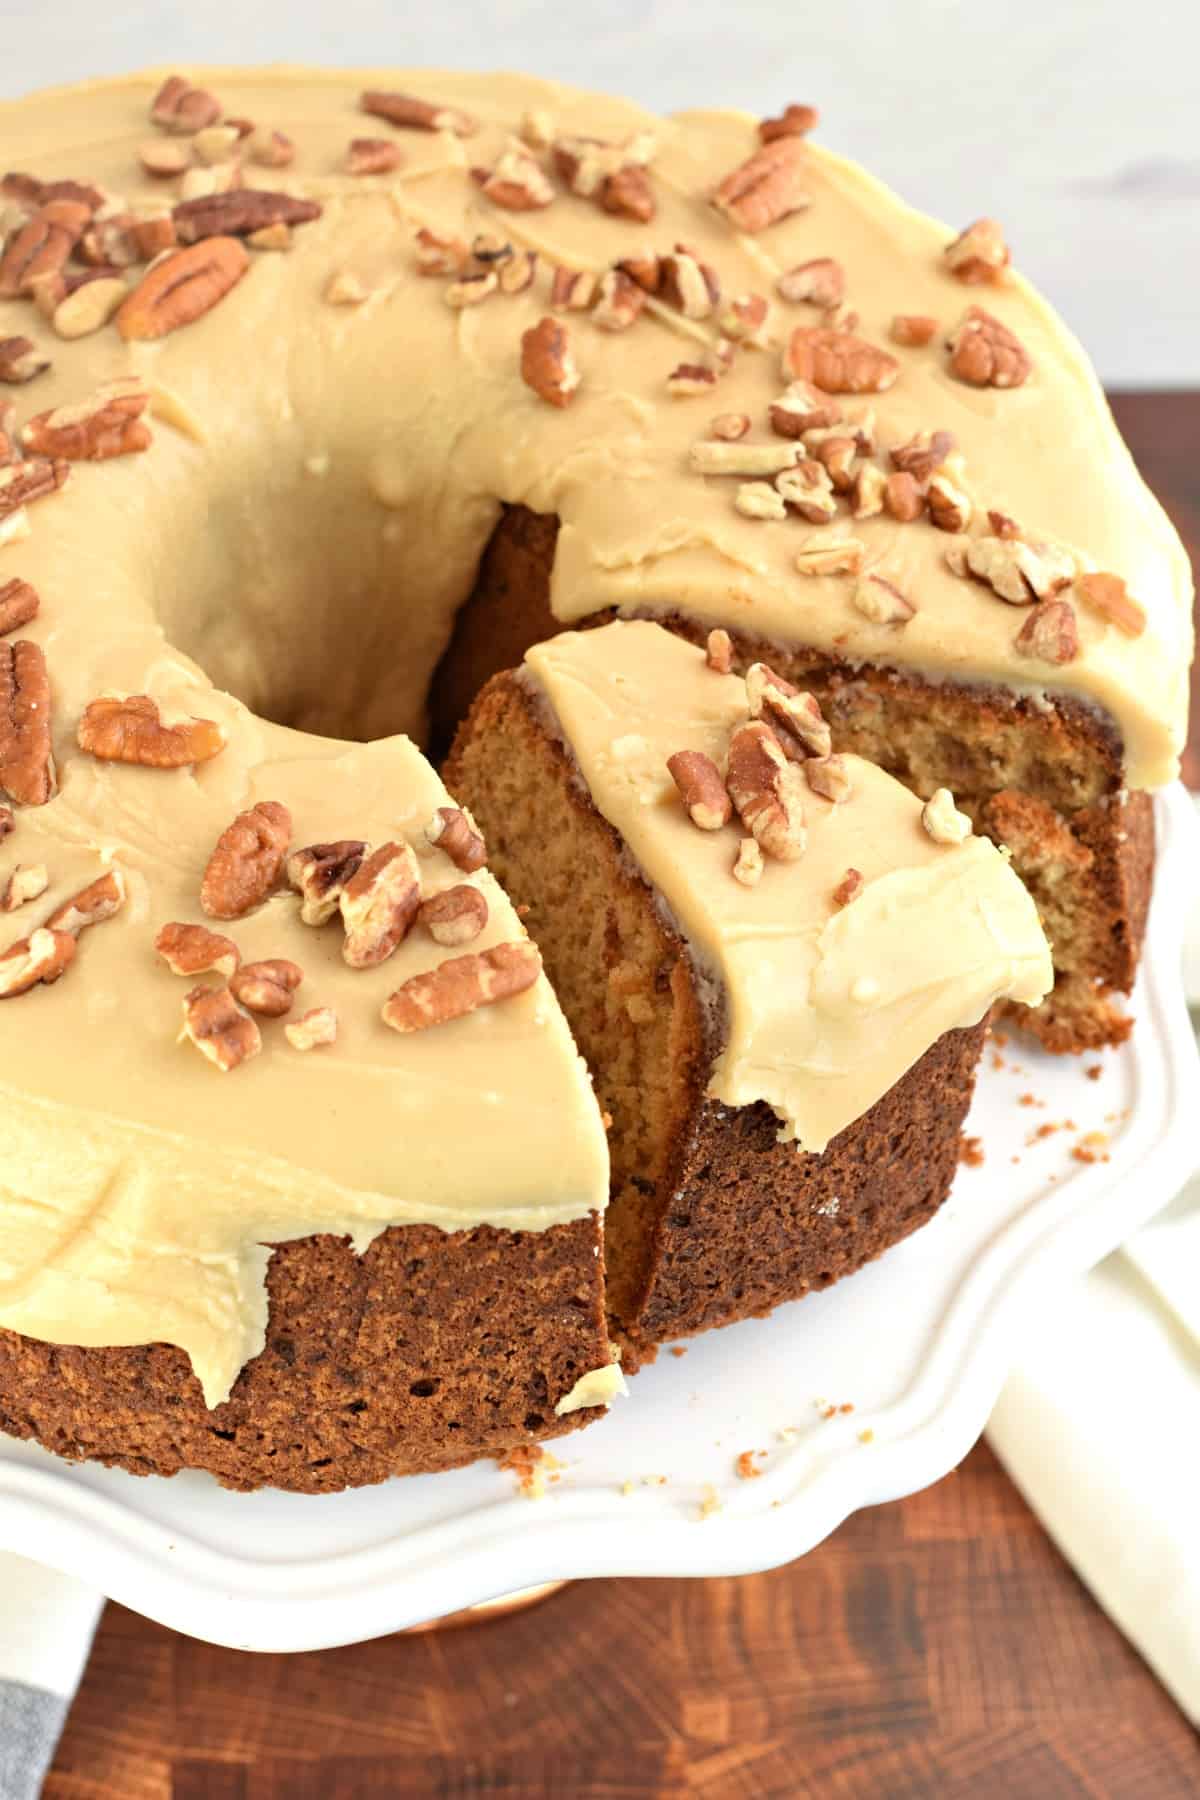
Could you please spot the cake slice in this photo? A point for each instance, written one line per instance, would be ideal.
(782, 996)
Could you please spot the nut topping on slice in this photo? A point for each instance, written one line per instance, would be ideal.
(821, 281)
(461, 985)
(745, 319)
(8, 823)
(628, 194)
(767, 187)
(219, 1028)
(748, 863)
(89, 307)
(644, 268)
(19, 361)
(795, 717)
(109, 424)
(246, 861)
(618, 303)
(942, 819)
(881, 601)
(1104, 593)
(238, 212)
(40, 249)
(182, 287)
(830, 556)
(829, 776)
(613, 175)
(271, 149)
(868, 492)
(418, 115)
(195, 950)
(979, 253)
(914, 330)
(801, 408)
(985, 353)
(838, 362)
(26, 763)
(320, 872)
(517, 183)
(469, 290)
(572, 290)
(729, 427)
(1017, 569)
(767, 790)
(18, 604)
(715, 457)
(100, 900)
(808, 489)
(372, 156)
(902, 496)
(517, 272)
(547, 363)
(718, 651)
(28, 881)
(164, 160)
(922, 454)
(455, 916)
(689, 285)
(759, 500)
(266, 987)
(129, 729)
(379, 904)
(42, 956)
(313, 1029)
(453, 830)
(1049, 634)
(848, 888)
(794, 121)
(950, 507)
(183, 109)
(701, 789)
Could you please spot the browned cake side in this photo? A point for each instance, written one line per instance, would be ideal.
(711, 1218)
(430, 1350)
(1045, 780)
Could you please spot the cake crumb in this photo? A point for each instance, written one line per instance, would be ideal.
(1029, 1100)
(678, 1349)
(1092, 1148)
(867, 1436)
(1094, 1071)
(970, 1152)
(709, 1502)
(744, 1466)
(998, 1061)
(1000, 1037)
(654, 1481)
(626, 1488)
(847, 1406)
(531, 1465)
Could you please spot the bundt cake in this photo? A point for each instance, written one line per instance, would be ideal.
(331, 396)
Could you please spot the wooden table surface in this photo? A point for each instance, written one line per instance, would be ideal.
(939, 1647)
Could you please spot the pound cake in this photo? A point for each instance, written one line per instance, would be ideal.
(327, 396)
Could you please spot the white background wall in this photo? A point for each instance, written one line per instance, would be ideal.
(1076, 122)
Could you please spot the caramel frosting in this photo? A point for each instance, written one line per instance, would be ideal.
(292, 547)
(824, 1006)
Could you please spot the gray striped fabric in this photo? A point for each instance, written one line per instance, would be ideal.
(31, 1721)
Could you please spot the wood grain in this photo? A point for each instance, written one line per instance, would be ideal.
(933, 1649)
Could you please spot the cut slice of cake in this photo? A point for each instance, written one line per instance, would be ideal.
(777, 962)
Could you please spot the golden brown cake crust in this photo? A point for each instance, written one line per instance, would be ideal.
(430, 1350)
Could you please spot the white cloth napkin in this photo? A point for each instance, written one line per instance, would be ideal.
(47, 1622)
(1098, 1427)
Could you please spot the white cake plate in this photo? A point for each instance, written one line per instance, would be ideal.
(856, 1396)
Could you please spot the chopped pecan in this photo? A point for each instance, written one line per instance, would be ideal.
(266, 987)
(902, 496)
(759, 500)
(822, 281)
(109, 243)
(417, 115)
(979, 253)
(19, 361)
(748, 863)
(985, 353)
(618, 303)
(246, 861)
(1002, 525)
(372, 156)
(271, 237)
(537, 128)
(1049, 633)
(313, 1029)
(99, 900)
(455, 916)
(868, 491)
(182, 287)
(572, 290)
(914, 330)
(728, 428)
(26, 763)
(154, 233)
(379, 903)
(829, 776)
(718, 651)
(241, 211)
(809, 491)
(18, 604)
(701, 789)
(517, 272)
(922, 454)
(644, 268)
(38, 250)
(195, 950)
(628, 194)
(183, 109)
(1017, 569)
(22, 483)
(794, 121)
(836, 450)
(8, 823)
(128, 728)
(712, 457)
(453, 830)
(219, 1028)
(746, 319)
(345, 289)
(89, 307)
(29, 192)
(767, 187)
(438, 255)
(462, 984)
(942, 819)
(1104, 593)
(838, 362)
(767, 790)
(164, 160)
(43, 956)
(27, 882)
(613, 175)
(548, 364)
(216, 143)
(468, 290)
(204, 183)
(830, 556)
(848, 888)
(795, 717)
(517, 183)
(881, 601)
(271, 149)
(687, 379)
(109, 424)
(689, 285)
(950, 507)
(801, 408)
(320, 872)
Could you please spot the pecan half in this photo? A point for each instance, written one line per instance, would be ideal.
(99, 900)
(985, 353)
(914, 330)
(718, 651)
(372, 156)
(219, 1028)
(822, 281)
(239, 212)
(517, 183)
(129, 729)
(881, 601)
(379, 904)
(795, 717)
(109, 424)
(26, 763)
(183, 109)
(1016, 569)
(548, 364)
(182, 287)
(829, 776)
(266, 987)
(618, 302)
(767, 791)
(748, 863)
(838, 362)
(453, 830)
(1049, 633)
(43, 956)
(794, 121)
(767, 187)
(195, 950)
(1104, 593)
(27, 882)
(18, 604)
(455, 916)
(979, 253)
(942, 819)
(320, 872)
(313, 1029)
(461, 985)
(246, 861)
(417, 115)
(701, 789)
(19, 361)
